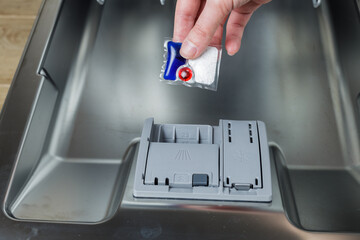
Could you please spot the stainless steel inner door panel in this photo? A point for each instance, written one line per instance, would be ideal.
(89, 78)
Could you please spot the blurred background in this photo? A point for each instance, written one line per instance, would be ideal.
(16, 20)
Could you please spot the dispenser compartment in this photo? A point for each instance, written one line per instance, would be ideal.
(225, 162)
(241, 155)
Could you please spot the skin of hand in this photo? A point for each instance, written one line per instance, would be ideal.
(200, 23)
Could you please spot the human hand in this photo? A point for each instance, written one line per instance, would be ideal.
(199, 23)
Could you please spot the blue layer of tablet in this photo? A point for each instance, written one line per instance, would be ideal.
(174, 60)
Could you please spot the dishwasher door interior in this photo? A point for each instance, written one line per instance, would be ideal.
(297, 71)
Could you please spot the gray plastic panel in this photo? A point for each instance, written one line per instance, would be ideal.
(194, 162)
(184, 134)
(174, 164)
(241, 154)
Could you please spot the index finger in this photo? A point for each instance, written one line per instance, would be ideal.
(185, 16)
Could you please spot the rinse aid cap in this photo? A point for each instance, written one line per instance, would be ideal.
(200, 72)
(185, 74)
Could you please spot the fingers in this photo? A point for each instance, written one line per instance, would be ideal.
(205, 28)
(217, 38)
(209, 24)
(235, 30)
(238, 19)
(185, 15)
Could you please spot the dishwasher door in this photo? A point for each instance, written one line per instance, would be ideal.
(90, 77)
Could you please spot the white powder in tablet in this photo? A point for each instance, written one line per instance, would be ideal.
(205, 66)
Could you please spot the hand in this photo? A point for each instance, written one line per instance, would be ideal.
(199, 23)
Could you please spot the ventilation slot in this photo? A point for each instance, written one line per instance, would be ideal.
(229, 132)
(250, 134)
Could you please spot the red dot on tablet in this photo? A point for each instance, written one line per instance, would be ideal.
(185, 74)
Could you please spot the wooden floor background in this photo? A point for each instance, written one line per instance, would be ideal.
(16, 20)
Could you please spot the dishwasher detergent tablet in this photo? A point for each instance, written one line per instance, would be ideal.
(202, 72)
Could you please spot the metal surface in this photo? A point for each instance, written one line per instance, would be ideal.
(283, 76)
(316, 3)
(101, 2)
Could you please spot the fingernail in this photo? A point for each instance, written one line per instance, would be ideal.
(188, 49)
(231, 51)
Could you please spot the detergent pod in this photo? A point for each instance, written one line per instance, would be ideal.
(202, 72)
